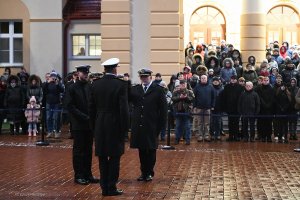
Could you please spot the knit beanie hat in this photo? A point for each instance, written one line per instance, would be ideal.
(32, 99)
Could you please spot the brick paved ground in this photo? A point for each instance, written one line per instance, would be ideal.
(216, 170)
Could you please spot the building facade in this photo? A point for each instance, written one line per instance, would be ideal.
(42, 35)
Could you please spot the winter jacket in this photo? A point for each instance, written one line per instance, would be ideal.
(250, 75)
(249, 103)
(230, 97)
(183, 105)
(266, 95)
(227, 72)
(52, 92)
(32, 113)
(204, 96)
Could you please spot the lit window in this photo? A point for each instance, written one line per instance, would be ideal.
(11, 43)
(86, 46)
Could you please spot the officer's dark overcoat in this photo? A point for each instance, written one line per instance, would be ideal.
(108, 111)
(148, 116)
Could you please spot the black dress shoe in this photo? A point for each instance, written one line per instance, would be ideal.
(115, 192)
(148, 178)
(93, 180)
(140, 178)
(81, 181)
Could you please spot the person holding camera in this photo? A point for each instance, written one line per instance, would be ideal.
(182, 103)
(52, 89)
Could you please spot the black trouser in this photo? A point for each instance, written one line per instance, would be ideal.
(251, 121)
(233, 126)
(266, 127)
(82, 154)
(109, 172)
(147, 161)
(293, 123)
(282, 127)
(14, 125)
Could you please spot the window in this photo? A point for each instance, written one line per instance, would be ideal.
(11, 43)
(283, 25)
(86, 46)
(207, 25)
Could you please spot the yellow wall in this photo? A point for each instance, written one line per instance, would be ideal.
(16, 10)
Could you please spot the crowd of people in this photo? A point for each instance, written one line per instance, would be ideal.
(214, 82)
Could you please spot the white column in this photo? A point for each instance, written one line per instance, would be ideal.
(140, 36)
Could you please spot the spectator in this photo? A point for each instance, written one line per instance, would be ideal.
(52, 94)
(238, 67)
(168, 95)
(223, 46)
(201, 70)
(32, 114)
(13, 101)
(293, 88)
(295, 58)
(204, 99)
(264, 71)
(283, 52)
(158, 78)
(273, 74)
(249, 74)
(188, 46)
(213, 63)
(210, 76)
(282, 105)
(252, 61)
(229, 99)
(277, 57)
(227, 71)
(230, 51)
(242, 81)
(187, 73)
(171, 84)
(189, 58)
(182, 104)
(216, 122)
(34, 89)
(266, 95)
(248, 107)
(197, 60)
(289, 72)
(3, 88)
(7, 73)
(194, 80)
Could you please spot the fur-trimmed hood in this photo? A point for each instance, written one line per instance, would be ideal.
(207, 64)
(228, 60)
(197, 55)
(201, 69)
(14, 77)
(212, 53)
(235, 51)
(34, 77)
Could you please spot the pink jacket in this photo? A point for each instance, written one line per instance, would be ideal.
(32, 114)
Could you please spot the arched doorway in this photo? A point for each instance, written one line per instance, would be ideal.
(207, 25)
(283, 24)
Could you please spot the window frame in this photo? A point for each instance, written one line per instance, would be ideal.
(86, 46)
(11, 36)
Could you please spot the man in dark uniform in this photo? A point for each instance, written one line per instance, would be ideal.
(77, 105)
(109, 119)
(148, 118)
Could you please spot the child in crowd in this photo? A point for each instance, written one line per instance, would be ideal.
(32, 114)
